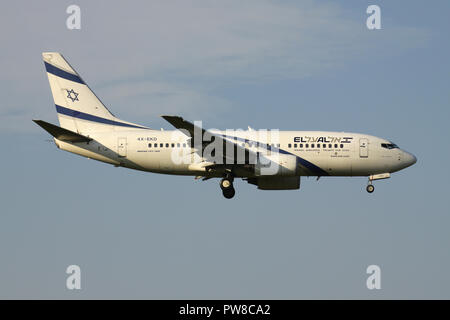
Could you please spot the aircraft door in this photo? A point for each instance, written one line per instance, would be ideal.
(122, 147)
(363, 148)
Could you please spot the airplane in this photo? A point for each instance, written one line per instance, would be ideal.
(271, 160)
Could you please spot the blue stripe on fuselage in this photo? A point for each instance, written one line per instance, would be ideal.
(61, 73)
(90, 117)
(309, 165)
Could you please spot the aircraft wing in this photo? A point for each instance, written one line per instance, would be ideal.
(61, 133)
(237, 157)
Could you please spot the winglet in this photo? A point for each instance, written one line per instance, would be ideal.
(171, 119)
(180, 123)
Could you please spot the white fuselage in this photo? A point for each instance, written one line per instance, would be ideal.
(272, 160)
(317, 153)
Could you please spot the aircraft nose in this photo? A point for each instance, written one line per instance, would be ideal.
(410, 159)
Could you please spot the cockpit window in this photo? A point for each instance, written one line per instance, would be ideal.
(389, 145)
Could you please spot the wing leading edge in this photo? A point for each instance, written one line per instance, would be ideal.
(237, 157)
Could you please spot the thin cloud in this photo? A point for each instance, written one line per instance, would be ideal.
(175, 53)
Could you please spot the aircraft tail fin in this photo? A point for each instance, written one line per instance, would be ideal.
(78, 108)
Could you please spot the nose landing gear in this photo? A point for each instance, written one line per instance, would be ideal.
(226, 184)
(370, 188)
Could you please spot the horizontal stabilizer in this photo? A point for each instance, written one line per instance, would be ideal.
(61, 133)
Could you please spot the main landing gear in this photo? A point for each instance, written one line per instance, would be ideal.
(226, 184)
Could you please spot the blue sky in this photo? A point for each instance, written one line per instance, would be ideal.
(290, 65)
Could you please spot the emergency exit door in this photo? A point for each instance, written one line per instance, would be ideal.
(122, 147)
(363, 148)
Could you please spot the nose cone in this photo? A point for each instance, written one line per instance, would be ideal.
(409, 159)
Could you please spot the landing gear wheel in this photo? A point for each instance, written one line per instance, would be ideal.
(229, 193)
(370, 188)
(225, 184)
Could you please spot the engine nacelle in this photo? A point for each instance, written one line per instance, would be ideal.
(278, 183)
(285, 165)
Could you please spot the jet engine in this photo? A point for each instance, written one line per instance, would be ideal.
(285, 165)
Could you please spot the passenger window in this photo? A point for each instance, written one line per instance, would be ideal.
(306, 145)
(184, 145)
(173, 145)
(149, 145)
(330, 146)
(312, 145)
(161, 145)
(167, 145)
(155, 145)
(289, 145)
(318, 146)
(301, 145)
(178, 145)
(295, 145)
(335, 145)
(342, 146)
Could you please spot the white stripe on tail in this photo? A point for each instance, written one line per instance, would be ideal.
(78, 108)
